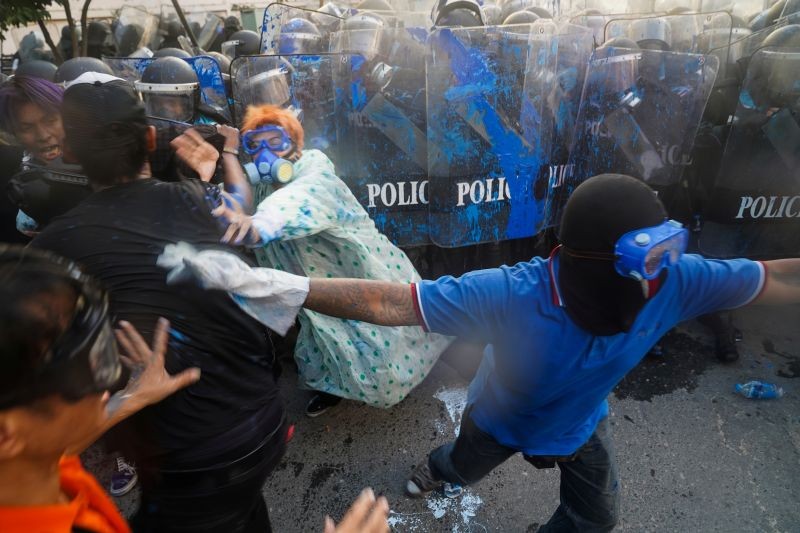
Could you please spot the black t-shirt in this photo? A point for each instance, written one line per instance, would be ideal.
(117, 235)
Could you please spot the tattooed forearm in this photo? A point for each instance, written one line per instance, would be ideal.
(378, 302)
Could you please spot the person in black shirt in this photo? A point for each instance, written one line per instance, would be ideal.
(204, 454)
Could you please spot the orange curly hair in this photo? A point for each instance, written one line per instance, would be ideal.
(264, 115)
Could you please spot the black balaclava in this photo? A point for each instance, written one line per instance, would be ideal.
(598, 213)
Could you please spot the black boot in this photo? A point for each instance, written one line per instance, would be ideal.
(725, 335)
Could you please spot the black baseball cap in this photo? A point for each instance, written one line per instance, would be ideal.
(102, 110)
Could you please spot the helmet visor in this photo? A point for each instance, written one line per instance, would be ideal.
(175, 106)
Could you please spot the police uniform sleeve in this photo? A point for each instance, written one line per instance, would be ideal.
(710, 285)
(472, 307)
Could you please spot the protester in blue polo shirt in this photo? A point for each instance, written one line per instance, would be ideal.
(561, 333)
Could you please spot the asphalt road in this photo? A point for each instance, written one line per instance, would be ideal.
(692, 455)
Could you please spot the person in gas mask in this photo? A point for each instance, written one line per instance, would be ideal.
(58, 362)
(562, 332)
(313, 225)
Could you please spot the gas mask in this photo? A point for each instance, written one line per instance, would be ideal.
(263, 144)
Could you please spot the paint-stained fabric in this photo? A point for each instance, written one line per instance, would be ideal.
(315, 227)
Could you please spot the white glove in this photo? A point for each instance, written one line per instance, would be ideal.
(270, 296)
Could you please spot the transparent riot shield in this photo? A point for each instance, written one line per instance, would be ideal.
(382, 143)
(791, 12)
(745, 9)
(754, 206)
(136, 28)
(638, 116)
(299, 82)
(276, 19)
(597, 23)
(212, 86)
(482, 167)
(688, 33)
(211, 28)
(554, 80)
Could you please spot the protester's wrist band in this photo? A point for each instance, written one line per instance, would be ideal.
(231, 151)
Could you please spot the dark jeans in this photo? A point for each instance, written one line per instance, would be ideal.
(589, 485)
(226, 497)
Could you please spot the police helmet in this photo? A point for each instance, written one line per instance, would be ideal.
(172, 52)
(785, 37)
(457, 13)
(72, 68)
(491, 14)
(512, 6)
(246, 43)
(361, 34)
(651, 33)
(542, 12)
(299, 36)
(37, 68)
(521, 17)
(170, 89)
(374, 5)
(268, 87)
(620, 42)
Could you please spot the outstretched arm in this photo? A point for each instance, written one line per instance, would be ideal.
(782, 285)
(379, 302)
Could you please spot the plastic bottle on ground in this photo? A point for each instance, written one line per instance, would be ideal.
(759, 390)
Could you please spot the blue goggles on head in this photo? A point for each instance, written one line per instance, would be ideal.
(274, 138)
(641, 254)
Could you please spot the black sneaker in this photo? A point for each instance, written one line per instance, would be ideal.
(726, 349)
(320, 403)
(123, 479)
(421, 481)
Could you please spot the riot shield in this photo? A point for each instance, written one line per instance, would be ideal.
(211, 28)
(597, 23)
(684, 33)
(754, 207)
(136, 28)
(554, 80)
(212, 86)
(744, 9)
(481, 165)
(639, 114)
(383, 145)
(276, 17)
(302, 83)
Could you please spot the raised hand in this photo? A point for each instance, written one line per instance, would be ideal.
(197, 153)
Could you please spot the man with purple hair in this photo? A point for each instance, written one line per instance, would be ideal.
(30, 112)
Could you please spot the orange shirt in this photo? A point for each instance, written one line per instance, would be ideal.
(90, 509)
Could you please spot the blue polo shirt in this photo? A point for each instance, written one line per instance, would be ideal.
(543, 382)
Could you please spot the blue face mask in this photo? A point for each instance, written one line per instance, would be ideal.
(267, 166)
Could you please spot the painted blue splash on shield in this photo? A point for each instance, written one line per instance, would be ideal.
(477, 124)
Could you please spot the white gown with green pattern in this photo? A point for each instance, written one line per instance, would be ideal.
(314, 226)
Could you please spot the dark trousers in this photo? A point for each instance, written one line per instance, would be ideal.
(589, 486)
(226, 497)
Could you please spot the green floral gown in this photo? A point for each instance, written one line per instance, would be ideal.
(315, 227)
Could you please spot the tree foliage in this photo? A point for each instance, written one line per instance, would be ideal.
(15, 13)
